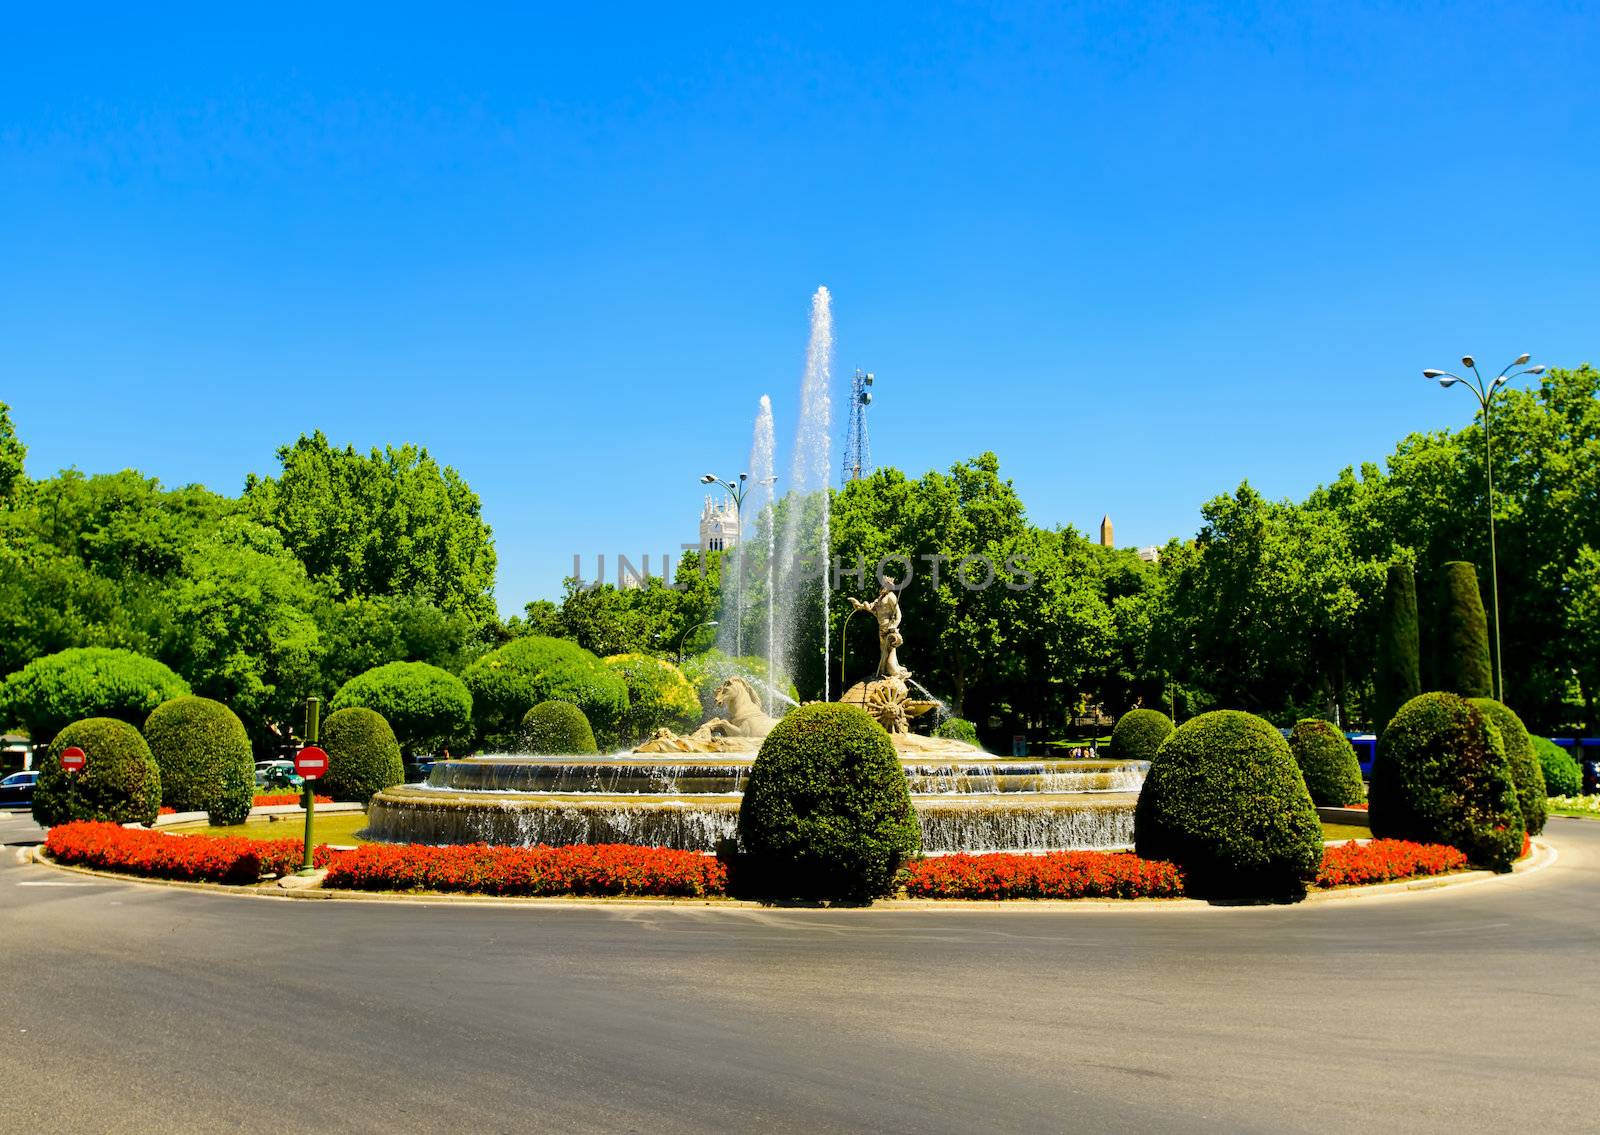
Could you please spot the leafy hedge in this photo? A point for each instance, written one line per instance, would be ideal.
(827, 811)
(118, 783)
(51, 692)
(1139, 733)
(1328, 762)
(1225, 800)
(659, 697)
(363, 756)
(427, 707)
(1397, 677)
(556, 728)
(1526, 772)
(581, 869)
(1441, 776)
(506, 682)
(958, 729)
(1562, 774)
(190, 858)
(204, 756)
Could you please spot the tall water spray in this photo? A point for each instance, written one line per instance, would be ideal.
(803, 544)
(761, 468)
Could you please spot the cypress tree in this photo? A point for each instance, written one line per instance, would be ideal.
(1399, 677)
(1463, 633)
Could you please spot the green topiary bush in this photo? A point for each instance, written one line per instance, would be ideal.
(957, 729)
(1562, 776)
(504, 683)
(1139, 733)
(557, 728)
(1225, 801)
(1398, 675)
(827, 810)
(1441, 776)
(427, 707)
(363, 755)
(1328, 762)
(204, 756)
(1526, 772)
(51, 692)
(659, 697)
(1463, 644)
(119, 781)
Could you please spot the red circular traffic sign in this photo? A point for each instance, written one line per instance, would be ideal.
(73, 758)
(311, 762)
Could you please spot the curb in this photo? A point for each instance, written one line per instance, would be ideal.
(264, 811)
(1543, 856)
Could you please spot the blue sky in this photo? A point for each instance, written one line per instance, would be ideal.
(1140, 252)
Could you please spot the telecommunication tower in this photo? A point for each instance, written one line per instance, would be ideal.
(857, 449)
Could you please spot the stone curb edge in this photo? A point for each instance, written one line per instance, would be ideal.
(1543, 856)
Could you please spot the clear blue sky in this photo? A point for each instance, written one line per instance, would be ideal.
(1140, 254)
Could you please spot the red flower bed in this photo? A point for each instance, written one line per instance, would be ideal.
(193, 858)
(1059, 875)
(582, 869)
(1384, 860)
(267, 799)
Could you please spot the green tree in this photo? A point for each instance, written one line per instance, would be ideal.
(51, 692)
(12, 455)
(1462, 635)
(1398, 676)
(428, 708)
(393, 522)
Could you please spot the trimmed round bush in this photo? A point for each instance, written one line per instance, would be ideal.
(1328, 762)
(1562, 776)
(1441, 776)
(427, 707)
(118, 783)
(957, 729)
(1526, 772)
(1139, 733)
(827, 810)
(659, 697)
(51, 692)
(507, 682)
(363, 756)
(204, 756)
(557, 728)
(1225, 801)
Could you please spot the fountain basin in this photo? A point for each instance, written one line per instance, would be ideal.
(975, 803)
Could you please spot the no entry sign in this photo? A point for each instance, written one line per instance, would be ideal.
(73, 758)
(311, 762)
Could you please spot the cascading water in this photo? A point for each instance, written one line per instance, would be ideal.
(762, 450)
(803, 545)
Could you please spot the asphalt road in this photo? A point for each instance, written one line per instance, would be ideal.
(126, 1007)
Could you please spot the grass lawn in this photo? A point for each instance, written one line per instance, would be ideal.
(1345, 831)
(337, 827)
(1582, 811)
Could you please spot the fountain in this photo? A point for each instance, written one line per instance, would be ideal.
(684, 790)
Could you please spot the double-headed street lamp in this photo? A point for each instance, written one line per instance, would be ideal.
(1485, 392)
(736, 490)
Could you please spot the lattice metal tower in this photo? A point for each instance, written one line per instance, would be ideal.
(857, 449)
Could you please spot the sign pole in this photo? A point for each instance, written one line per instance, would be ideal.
(313, 721)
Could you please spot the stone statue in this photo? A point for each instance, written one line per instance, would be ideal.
(744, 724)
(886, 609)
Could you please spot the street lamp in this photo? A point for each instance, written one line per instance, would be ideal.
(736, 490)
(690, 631)
(1485, 392)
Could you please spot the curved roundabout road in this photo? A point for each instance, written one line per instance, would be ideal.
(138, 1008)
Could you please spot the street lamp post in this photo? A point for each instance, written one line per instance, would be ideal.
(1485, 392)
(736, 490)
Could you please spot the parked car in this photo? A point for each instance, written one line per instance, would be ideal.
(277, 775)
(18, 788)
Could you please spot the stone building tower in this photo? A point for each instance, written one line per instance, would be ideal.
(1106, 540)
(719, 526)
